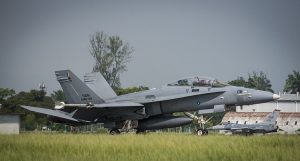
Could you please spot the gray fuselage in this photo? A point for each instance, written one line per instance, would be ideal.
(228, 95)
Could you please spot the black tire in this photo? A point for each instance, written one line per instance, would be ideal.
(199, 132)
(205, 132)
(114, 132)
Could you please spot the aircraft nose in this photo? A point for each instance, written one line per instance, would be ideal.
(275, 97)
(258, 96)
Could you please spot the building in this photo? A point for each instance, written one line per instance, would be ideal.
(288, 120)
(9, 123)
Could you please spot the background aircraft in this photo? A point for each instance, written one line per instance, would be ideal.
(267, 126)
(95, 102)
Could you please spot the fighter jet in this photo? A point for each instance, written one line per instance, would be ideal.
(94, 101)
(267, 126)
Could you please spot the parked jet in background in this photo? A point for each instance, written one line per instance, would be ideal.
(267, 126)
(95, 102)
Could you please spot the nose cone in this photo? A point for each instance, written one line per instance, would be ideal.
(259, 96)
(275, 97)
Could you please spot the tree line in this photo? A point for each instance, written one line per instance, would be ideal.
(259, 80)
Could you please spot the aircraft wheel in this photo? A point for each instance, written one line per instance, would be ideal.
(199, 132)
(205, 132)
(114, 132)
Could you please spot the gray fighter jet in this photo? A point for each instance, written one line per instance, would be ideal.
(267, 126)
(94, 101)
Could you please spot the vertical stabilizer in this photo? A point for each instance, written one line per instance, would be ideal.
(99, 85)
(272, 117)
(75, 90)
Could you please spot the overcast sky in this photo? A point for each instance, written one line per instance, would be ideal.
(171, 39)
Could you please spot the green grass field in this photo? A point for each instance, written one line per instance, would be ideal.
(149, 147)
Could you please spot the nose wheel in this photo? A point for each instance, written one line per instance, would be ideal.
(201, 132)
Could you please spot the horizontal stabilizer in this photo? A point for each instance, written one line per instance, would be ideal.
(50, 112)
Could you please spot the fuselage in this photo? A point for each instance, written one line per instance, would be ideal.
(198, 98)
(250, 128)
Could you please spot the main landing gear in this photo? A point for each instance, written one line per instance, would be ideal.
(124, 127)
(114, 132)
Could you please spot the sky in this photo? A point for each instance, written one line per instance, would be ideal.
(171, 39)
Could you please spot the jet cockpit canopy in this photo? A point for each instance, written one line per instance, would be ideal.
(197, 81)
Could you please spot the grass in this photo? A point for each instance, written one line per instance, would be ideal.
(150, 147)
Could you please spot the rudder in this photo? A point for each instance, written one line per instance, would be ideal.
(272, 117)
(99, 85)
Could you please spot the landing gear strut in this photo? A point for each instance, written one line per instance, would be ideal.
(201, 130)
(124, 127)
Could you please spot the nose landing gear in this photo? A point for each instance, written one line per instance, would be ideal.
(201, 130)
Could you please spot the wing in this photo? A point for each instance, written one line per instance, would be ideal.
(237, 128)
(121, 104)
(113, 111)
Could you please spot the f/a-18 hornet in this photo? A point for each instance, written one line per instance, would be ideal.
(267, 126)
(94, 101)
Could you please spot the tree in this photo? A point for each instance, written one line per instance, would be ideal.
(255, 80)
(240, 81)
(35, 98)
(121, 91)
(111, 55)
(259, 81)
(58, 96)
(292, 83)
(5, 93)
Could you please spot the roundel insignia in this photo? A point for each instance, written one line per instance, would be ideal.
(198, 103)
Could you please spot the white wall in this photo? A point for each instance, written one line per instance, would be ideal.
(9, 124)
(270, 106)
